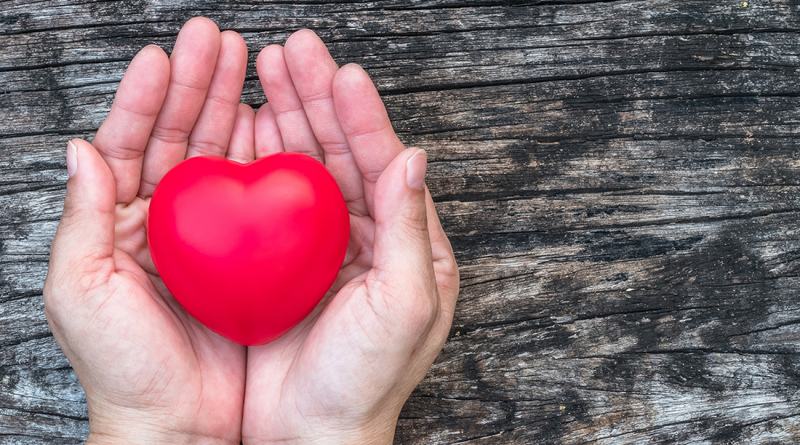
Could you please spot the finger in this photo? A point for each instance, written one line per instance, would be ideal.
(312, 70)
(123, 136)
(296, 131)
(191, 67)
(242, 146)
(85, 236)
(444, 262)
(268, 135)
(402, 243)
(212, 131)
(366, 125)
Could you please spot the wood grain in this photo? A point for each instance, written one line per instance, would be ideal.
(620, 181)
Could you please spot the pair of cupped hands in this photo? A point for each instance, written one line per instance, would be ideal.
(153, 374)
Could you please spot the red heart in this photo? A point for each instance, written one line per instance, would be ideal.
(248, 250)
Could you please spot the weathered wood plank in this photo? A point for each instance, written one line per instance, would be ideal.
(83, 108)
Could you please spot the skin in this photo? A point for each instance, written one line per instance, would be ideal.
(152, 374)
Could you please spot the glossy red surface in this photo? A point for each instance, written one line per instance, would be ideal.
(248, 250)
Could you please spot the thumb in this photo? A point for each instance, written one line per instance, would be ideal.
(402, 252)
(85, 234)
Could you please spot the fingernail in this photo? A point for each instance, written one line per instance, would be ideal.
(72, 158)
(415, 170)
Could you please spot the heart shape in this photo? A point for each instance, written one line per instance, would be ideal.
(248, 250)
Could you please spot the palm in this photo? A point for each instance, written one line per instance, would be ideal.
(201, 355)
(294, 363)
(152, 354)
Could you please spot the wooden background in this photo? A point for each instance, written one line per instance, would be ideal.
(620, 180)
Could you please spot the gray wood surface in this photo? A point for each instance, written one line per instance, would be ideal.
(620, 181)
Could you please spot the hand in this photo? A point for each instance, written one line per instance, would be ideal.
(343, 374)
(152, 374)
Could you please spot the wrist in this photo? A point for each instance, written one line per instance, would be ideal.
(371, 434)
(152, 437)
(141, 430)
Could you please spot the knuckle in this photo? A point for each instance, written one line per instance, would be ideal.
(371, 176)
(413, 224)
(447, 266)
(412, 305)
(170, 135)
(206, 148)
(335, 147)
(422, 312)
